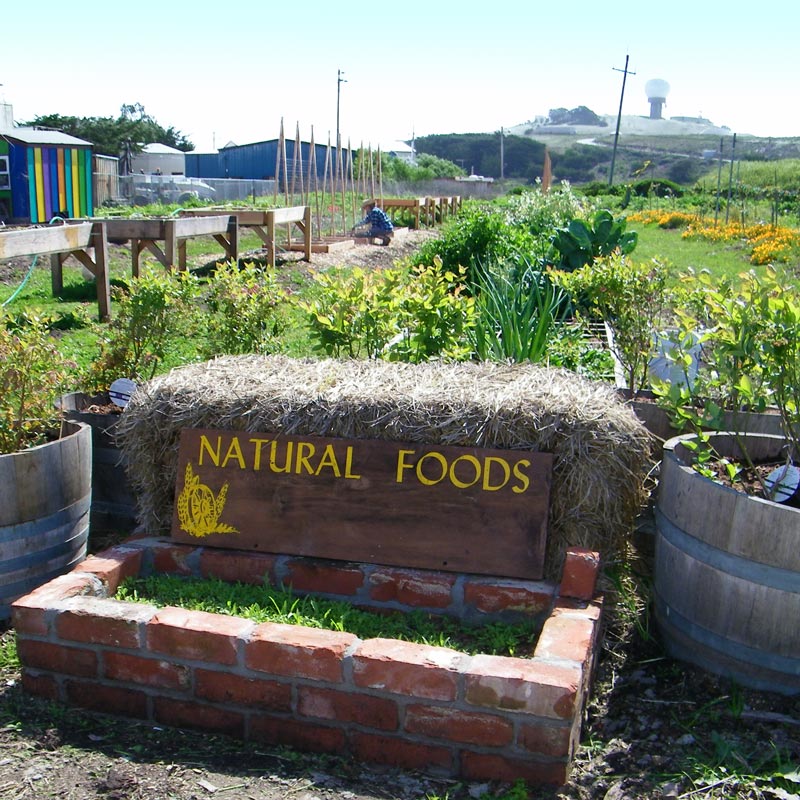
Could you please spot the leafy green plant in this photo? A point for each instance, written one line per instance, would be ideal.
(478, 234)
(245, 306)
(750, 332)
(514, 318)
(349, 314)
(582, 241)
(431, 312)
(32, 376)
(150, 314)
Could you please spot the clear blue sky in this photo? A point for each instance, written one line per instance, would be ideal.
(221, 72)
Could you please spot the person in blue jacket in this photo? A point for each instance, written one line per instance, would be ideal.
(376, 225)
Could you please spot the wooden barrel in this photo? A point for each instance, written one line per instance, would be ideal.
(45, 498)
(727, 571)
(113, 504)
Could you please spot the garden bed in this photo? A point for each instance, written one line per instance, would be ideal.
(380, 700)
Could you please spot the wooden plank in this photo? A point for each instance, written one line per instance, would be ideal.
(292, 214)
(124, 229)
(462, 509)
(45, 240)
(200, 226)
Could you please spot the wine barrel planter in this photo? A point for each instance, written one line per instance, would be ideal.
(727, 570)
(657, 421)
(113, 504)
(45, 498)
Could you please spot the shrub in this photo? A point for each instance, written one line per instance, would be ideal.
(150, 313)
(478, 234)
(245, 311)
(32, 377)
(632, 299)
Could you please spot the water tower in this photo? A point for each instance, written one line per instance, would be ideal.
(657, 91)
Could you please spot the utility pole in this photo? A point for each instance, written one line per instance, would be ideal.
(502, 156)
(625, 74)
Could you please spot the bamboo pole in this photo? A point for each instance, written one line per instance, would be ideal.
(312, 173)
(340, 177)
(277, 166)
(352, 184)
(325, 180)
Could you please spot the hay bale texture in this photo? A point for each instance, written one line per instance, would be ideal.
(602, 451)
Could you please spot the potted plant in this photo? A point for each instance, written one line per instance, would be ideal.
(136, 343)
(45, 464)
(727, 566)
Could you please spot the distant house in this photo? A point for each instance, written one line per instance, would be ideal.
(159, 159)
(43, 173)
(400, 150)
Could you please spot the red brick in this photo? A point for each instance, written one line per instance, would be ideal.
(372, 712)
(255, 568)
(112, 566)
(310, 575)
(298, 651)
(41, 685)
(546, 740)
(567, 635)
(29, 614)
(108, 699)
(406, 668)
(184, 714)
(146, 671)
(494, 598)
(222, 687)
(172, 558)
(579, 577)
(487, 767)
(57, 658)
(196, 635)
(525, 685)
(99, 621)
(415, 588)
(300, 735)
(398, 752)
(459, 726)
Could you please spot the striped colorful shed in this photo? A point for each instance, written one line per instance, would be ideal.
(50, 173)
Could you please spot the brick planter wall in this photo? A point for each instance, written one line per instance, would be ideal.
(413, 706)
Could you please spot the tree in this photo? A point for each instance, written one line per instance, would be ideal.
(132, 129)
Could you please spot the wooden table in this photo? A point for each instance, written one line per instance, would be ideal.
(145, 234)
(264, 222)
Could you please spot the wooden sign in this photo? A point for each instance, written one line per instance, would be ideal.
(459, 509)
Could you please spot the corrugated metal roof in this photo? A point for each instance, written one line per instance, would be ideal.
(39, 136)
(161, 149)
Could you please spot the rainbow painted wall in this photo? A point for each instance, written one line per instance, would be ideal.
(50, 179)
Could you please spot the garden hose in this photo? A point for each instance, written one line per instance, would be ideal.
(30, 271)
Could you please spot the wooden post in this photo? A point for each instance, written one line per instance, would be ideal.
(171, 244)
(100, 244)
(56, 274)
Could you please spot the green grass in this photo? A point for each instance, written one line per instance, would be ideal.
(277, 604)
(680, 255)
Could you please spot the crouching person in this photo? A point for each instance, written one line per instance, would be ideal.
(376, 225)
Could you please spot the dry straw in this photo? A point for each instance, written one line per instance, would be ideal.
(602, 452)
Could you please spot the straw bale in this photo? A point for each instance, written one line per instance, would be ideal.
(602, 451)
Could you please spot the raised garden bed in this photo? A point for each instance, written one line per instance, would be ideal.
(416, 706)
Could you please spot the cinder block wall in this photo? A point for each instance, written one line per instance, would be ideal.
(414, 706)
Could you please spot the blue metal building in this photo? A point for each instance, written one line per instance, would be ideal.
(257, 161)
